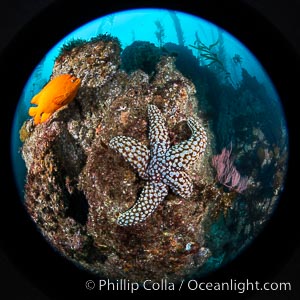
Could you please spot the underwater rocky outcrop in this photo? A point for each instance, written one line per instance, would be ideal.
(77, 186)
(141, 55)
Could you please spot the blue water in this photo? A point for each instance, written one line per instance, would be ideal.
(138, 25)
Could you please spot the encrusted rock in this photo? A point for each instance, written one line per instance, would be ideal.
(76, 186)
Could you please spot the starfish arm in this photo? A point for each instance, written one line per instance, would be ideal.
(133, 151)
(179, 182)
(181, 155)
(152, 194)
(158, 133)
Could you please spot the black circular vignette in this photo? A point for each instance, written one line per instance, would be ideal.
(21, 241)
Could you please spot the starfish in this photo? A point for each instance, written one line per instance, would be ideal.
(163, 166)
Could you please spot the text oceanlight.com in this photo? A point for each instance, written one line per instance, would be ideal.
(192, 285)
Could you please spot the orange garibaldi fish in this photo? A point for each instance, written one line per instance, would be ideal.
(57, 93)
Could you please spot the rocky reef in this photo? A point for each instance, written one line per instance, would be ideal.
(76, 186)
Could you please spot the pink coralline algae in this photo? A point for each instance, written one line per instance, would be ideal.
(227, 174)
